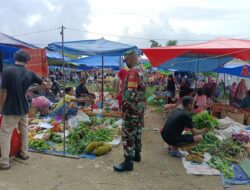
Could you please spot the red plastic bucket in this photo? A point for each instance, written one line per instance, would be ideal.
(15, 141)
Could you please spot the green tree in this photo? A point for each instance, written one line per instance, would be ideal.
(171, 43)
(154, 43)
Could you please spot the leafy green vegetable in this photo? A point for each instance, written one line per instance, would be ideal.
(39, 144)
(223, 166)
(53, 137)
(81, 136)
(229, 149)
(224, 154)
(204, 120)
(209, 142)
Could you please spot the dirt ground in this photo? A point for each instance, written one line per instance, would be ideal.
(45, 172)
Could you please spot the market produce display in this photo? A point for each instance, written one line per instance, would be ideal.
(195, 157)
(80, 137)
(39, 144)
(88, 135)
(230, 149)
(101, 150)
(223, 166)
(204, 120)
(224, 153)
(241, 137)
(209, 142)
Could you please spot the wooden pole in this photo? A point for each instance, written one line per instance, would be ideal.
(102, 81)
(64, 84)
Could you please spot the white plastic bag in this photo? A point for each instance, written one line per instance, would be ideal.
(82, 117)
(73, 122)
(114, 105)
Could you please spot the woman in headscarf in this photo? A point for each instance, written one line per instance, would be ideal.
(42, 104)
(122, 76)
(170, 88)
(232, 92)
(241, 91)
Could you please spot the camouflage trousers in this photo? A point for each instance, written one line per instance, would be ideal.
(131, 136)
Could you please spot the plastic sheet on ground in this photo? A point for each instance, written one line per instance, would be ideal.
(228, 122)
(88, 156)
(116, 141)
(230, 127)
(199, 169)
(239, 179)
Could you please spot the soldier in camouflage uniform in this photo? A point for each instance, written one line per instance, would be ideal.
(133, 105)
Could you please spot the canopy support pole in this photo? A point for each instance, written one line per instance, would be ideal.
(102, 82)
(64, 85)
(225, 98)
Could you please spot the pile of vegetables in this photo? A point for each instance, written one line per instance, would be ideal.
(241, 137)
(98, 148)
(209, 142)
(204, 120)
(223, 166)
(195, 157)
(230, 149)
(224, 154)
(101, 121)
(39, 144)
(81, 136)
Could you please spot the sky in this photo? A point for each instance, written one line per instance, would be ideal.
(133, 22)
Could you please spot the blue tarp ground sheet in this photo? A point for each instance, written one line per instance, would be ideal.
(194, 64)
(60, 153)
(93, 47)
(239, 179)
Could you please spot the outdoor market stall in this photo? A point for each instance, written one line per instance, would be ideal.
(99, 123)
(221, 47)
(38, 62)
(225, 150)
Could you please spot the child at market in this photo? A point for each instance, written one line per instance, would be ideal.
(67, 103)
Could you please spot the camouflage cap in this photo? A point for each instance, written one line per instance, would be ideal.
(128, 53)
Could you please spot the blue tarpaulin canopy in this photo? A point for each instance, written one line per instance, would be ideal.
(195, 63)
(93, 47)
(56, 55)
(9, 45)
(8, 52)
(235, 70)
(92, 62)
(95, 61)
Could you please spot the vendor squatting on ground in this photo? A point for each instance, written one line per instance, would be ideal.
(178, 120)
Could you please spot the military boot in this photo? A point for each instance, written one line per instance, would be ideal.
(126, 165)
(137, 157)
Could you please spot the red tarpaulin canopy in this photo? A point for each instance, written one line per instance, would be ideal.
(239, 49)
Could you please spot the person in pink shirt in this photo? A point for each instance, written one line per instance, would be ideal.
(201, 101)
(241, 91)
